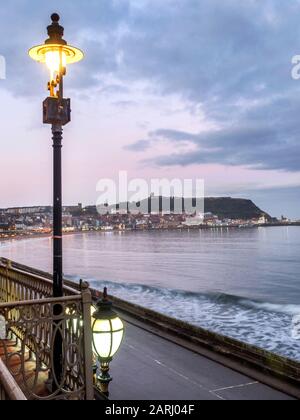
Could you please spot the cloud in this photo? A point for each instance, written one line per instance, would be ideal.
(203, 49)
(262, 137)
(125, 104)
(139, 146)
(232, 58)
(253, 141)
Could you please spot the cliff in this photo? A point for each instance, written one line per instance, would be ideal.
(233, 208)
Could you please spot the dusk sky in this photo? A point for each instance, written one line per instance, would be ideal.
(168, 88)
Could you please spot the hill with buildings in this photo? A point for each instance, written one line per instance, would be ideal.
(223, 207)
(151, 213)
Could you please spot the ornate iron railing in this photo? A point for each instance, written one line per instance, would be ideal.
(35, 325)
(17, 285)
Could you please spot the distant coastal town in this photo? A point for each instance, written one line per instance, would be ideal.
(22, 222)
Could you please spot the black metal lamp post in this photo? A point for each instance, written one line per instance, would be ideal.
(108, 333)
(56, 54)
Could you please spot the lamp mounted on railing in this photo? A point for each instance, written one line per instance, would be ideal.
(108, 333)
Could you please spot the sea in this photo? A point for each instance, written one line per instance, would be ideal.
(243, 283)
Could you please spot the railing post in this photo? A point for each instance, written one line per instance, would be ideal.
(8, 266)
(87, 341)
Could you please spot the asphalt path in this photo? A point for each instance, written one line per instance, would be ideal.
(149, 367)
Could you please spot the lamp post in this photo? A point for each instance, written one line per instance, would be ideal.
(56, 54)
(108, 333)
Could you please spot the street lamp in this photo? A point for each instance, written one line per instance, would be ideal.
(108, 333)
(56, 54)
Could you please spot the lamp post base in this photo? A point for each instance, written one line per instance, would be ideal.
(103, 379)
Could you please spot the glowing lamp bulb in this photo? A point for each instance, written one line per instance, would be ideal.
(55, 61)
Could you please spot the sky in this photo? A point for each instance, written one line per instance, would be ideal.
(167, 89)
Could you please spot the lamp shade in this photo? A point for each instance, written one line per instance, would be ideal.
(50, 53)
(108, 330)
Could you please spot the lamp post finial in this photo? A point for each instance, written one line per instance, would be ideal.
(55, 17)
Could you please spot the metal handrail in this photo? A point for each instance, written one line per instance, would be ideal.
(9, 270)
(66, 299)
(9, 389)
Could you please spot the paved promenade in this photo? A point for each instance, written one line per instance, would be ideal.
(149, 367)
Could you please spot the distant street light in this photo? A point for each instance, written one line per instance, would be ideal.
(108, 333)
(56, 54)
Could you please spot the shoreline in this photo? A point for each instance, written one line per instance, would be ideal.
(35, 236)
(185, 228)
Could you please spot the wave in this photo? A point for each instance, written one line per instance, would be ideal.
(288, 309)
(264, 324)
(217, 298)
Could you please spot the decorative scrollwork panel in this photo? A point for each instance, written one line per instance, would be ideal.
(44, 347)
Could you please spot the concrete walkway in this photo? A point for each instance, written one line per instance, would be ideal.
(149, 367)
